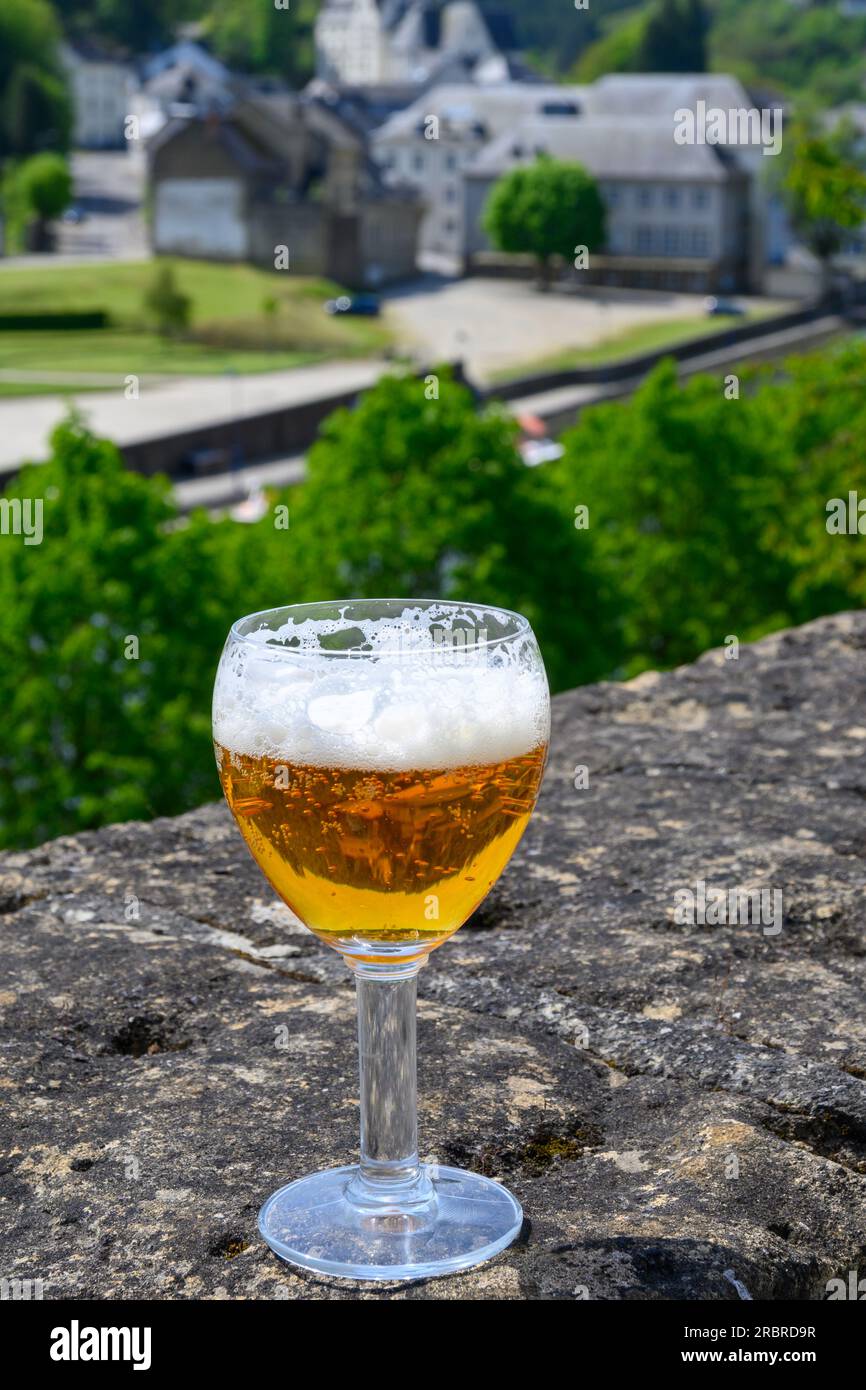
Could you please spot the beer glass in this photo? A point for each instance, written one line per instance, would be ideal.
(382, 759)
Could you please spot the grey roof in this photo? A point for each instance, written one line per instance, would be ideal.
(659, 95)
(497, 106)
(610, 149)
(221, 131)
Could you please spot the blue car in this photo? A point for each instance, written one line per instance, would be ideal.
(723, 308)
(366, 304)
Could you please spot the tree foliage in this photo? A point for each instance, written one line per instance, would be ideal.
(165, 303)
(35, 109)
(617, 50)
(46, 184)
(811, 51)
(427, 497)
(141, 26)
(256, 37)
(674, 39)
(825, 189)
(546, 209)
(708, 514)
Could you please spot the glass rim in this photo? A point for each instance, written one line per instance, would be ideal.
(522, 628)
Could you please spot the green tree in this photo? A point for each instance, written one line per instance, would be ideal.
(91, 736)
(46, 188)
(709, 515)
(618, 50)
(820, 408)
(808, 51)
(675, 38)
(266, 38)
(680, 484)
(428, 497)
(35, 109)
(165, 303)
(110, 631)
(143, 25)
(825, 190)
(547, 209)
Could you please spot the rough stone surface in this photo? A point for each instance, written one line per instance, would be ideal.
(610, 1064)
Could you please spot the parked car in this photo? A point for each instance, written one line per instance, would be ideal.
(366, 304)
(723, 308)
(74, 215)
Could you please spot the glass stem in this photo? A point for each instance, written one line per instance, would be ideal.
(389, 1096)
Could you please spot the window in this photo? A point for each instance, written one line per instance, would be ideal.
(451, 162)
(643, 240)
(611, 193)
(418, 162)
(672, 197)
(700, 197)
(644, 197)
(671, 241)
(700, 241)
(450, 193)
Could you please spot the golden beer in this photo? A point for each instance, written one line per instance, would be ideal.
(377, 855)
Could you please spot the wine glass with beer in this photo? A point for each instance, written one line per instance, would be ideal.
(382, 758)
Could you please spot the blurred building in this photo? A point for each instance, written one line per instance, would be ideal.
(431, 145)
(361, 42)
(279, 171)
(182, 80)
(687, 216)
(103, 86)
(677, 217)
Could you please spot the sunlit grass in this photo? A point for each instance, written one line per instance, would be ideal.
(242, 319)
(631, 342)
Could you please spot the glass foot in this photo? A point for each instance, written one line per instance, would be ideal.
(333, 1223)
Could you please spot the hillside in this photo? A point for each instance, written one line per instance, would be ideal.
(804, 49)
(809, 50)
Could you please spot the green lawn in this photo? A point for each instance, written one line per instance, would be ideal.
(46, 388)
(630, 343)
(229, 328)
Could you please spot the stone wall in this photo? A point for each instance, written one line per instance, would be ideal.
(681, 1109)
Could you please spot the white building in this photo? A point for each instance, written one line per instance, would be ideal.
(103, 89)
(432, 144)
(686, 215)
(677, 217)
(367, 42)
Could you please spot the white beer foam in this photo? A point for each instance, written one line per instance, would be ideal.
(410, 702)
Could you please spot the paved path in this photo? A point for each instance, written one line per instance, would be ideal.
(493, 324)
(171, 406)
